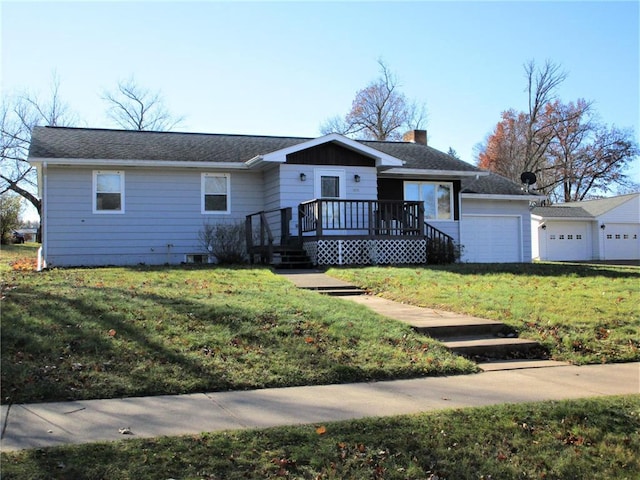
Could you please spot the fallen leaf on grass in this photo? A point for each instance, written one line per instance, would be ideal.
(321, 430)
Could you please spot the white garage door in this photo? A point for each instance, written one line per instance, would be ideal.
(491, 238)
(567, 241)
(621, 241)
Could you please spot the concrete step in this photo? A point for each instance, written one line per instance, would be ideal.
(482, 346)
(337, 290)
(501, 365)
(466, 327)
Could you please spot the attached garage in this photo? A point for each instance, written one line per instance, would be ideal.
(491, 238)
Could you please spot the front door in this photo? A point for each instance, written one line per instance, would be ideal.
(330, 184)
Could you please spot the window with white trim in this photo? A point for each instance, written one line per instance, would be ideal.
(108, 191)
(215, 193)
(436, 196)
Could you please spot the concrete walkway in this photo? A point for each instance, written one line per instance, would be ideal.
(50, 424)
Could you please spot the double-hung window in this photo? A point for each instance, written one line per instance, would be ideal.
(215, 193)
(436, 196)
(108, 191)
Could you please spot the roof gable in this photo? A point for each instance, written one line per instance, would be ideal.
(601, 206)
(381, 158)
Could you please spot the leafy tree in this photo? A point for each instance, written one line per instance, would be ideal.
(570, 152)
(18, 115)
(133, 107)
(10, 208)
(378, 112)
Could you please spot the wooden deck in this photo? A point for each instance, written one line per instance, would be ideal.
(356, 224)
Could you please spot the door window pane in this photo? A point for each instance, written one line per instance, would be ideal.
(330, 187)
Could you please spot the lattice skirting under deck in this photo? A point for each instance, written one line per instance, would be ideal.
(366, 252)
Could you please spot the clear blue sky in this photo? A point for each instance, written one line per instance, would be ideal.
(283, 68)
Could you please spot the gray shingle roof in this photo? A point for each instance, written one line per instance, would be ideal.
(584, 209)
(421, 156)
(602, 205)
(492, 184)
(86, 143)
(94, 144)
(559, 211)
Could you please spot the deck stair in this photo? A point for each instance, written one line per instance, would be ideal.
(290, 257)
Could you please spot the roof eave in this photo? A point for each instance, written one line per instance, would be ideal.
(417, 172)
(99, 162)
(547, 218)
(498, 196)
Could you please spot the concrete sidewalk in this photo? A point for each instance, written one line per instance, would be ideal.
(50, 424)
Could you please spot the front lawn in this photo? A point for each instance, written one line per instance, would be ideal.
(579, 439)
(117, 332)
(580, 313)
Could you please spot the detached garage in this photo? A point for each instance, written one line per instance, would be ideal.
(603, 229)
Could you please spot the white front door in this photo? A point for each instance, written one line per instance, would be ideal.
(330, 184)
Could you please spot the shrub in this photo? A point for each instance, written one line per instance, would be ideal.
(440, 251)
(225, 242)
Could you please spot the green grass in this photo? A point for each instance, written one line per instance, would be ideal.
(118, 332)
(580, 313)
(580, 439)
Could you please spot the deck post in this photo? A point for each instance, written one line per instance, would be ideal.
(248, 232)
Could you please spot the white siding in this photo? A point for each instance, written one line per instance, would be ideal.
(161, 221)
(293, 191)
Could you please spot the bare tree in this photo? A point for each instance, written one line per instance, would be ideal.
(18, 115)
(541, 86)
(133, 107)
(379, 111)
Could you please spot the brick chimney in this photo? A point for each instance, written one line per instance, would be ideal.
(416, 136)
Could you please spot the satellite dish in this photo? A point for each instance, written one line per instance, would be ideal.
(528, 178)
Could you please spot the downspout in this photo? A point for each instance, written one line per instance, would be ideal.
(42, 251)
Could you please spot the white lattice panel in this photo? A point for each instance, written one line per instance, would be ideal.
(312, 251)
(367, 252)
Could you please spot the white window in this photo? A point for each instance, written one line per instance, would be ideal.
(578, 237)
(552, 237)
(437, 198)
(108, 191)
(215, 193)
